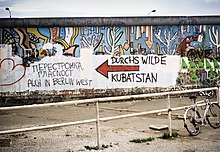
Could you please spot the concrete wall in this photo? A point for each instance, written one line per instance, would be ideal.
(108, 53)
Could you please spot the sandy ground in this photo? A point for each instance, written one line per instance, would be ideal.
(115, 134)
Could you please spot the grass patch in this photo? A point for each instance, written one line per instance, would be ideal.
(96, 148)
(142, 140)
(189, 150)
(166, 135)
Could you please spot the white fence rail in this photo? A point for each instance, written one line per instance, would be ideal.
(98, 119)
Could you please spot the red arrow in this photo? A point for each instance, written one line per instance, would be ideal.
(104, 68)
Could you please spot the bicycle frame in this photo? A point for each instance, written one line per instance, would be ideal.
(193, 120)
(202, 119)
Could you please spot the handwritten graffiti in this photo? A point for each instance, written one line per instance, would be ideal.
(50, 75)
(56, 69)
(135, 77)
(129, 69)
(11, 72)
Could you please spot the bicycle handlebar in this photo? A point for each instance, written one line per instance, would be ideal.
(198, 102)
(208, 94)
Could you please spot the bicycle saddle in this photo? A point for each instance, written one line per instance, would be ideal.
(193, 97)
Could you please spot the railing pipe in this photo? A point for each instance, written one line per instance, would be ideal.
(47, 126)
(169, 115)
(98, 125)
(106, 99)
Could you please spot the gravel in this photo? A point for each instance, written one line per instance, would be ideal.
(115, 135)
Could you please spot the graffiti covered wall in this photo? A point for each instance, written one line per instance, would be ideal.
(68, 58)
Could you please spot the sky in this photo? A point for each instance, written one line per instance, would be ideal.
(104, 8)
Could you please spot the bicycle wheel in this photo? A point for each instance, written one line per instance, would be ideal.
(191, 122)
(213, 116)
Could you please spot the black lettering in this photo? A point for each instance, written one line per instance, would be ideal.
(114, 77)
(156, 59)
(83, 82)
(34, 83)
(125, 60)
(138, 78)
(154, 77)
(114, 60)
(163, 60)
(144, 59)
(47, 83)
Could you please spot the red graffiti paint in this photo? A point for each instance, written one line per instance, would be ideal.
(104, 68)
(14, 66)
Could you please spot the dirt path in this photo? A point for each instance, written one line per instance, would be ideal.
(115, 134)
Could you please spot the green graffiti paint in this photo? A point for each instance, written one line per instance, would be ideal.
(184, 65)
(200, 65)
(192, 65)
(208, 65)
(216, 65)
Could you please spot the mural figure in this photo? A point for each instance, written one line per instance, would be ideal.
(113, 36)
(167, 39)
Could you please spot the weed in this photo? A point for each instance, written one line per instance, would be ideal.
(67, 134)
(166, 135)
(142, 140)
(96, 148)
(175, 134)
(189, 150)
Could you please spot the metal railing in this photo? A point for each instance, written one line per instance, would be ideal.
(98, 119)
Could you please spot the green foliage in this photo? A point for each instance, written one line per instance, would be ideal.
(166, 135)
(96, 148)
(142, 140)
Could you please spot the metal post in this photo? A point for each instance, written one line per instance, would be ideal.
(98, 125)
(169, 115)
(218, 95)
(8, 11)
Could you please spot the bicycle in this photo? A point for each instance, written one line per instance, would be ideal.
(192, 118)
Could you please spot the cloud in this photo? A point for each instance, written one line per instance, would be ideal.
(6, 4)
(211, 1)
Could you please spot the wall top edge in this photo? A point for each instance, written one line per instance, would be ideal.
(117, 17)
(109, 21)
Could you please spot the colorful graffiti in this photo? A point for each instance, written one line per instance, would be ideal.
(172, 40)
(200, 71)
(198, 45)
